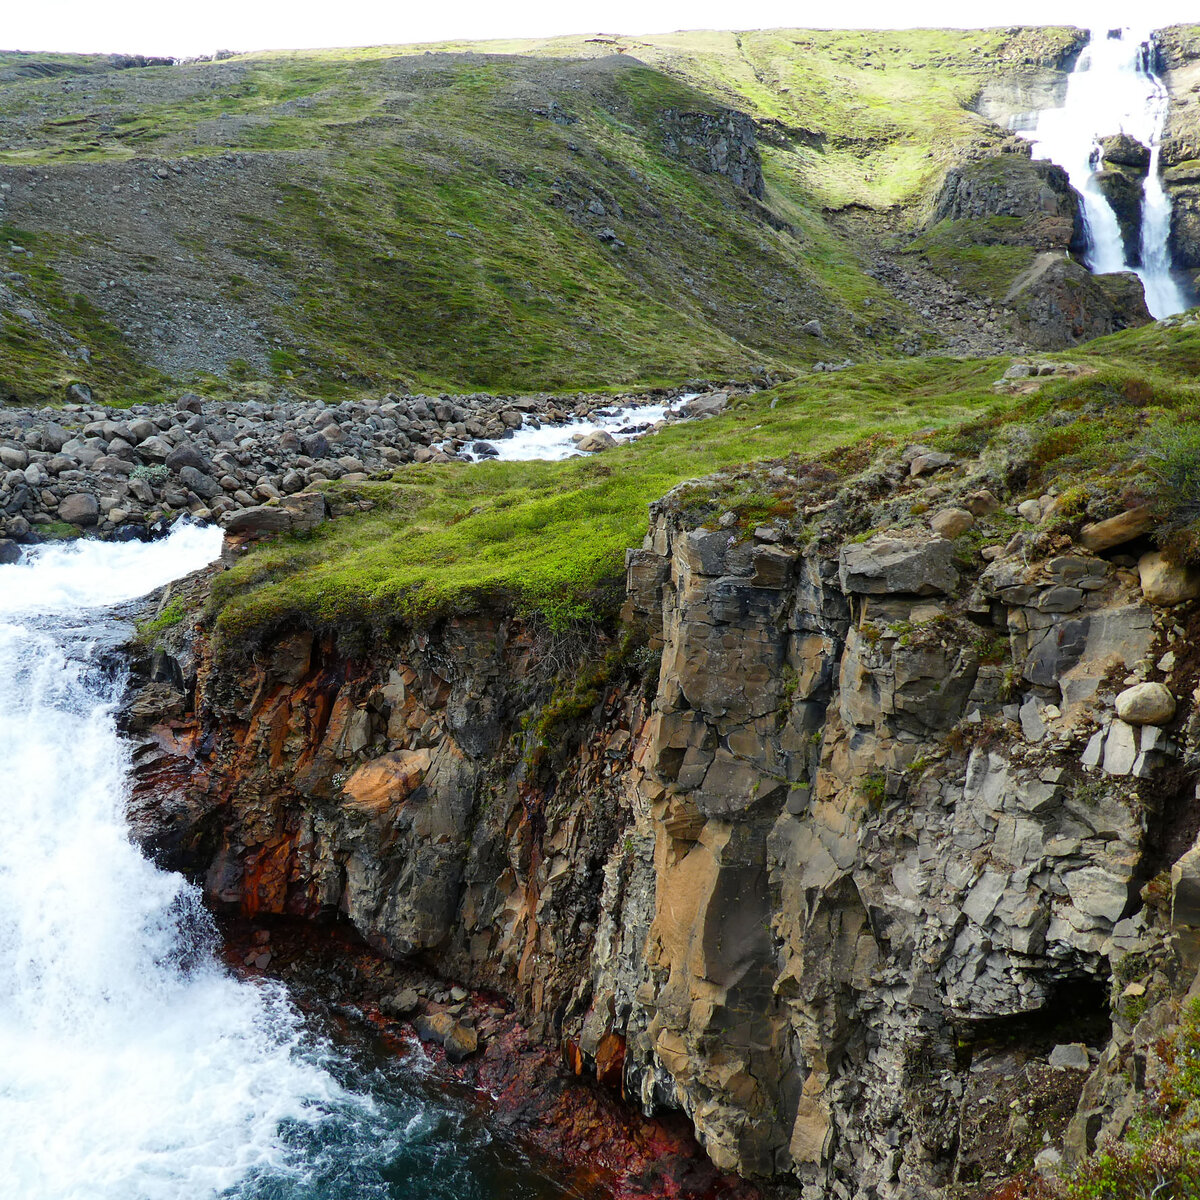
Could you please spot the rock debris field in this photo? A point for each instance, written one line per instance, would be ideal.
(117, 472)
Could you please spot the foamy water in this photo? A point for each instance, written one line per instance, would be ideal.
(1114, 89)
(132, 1065)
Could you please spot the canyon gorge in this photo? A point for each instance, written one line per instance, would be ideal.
(606, 618)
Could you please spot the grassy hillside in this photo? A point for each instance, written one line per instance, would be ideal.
(868, 117)
(551, 537)
(540, 216)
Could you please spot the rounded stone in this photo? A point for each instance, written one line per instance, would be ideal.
(1146, 704)
(1030, 510)
(1165, 583)
(79, 509)
(951, 522)
(596, 441)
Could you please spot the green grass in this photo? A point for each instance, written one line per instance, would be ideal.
(414, 220)
(974, 254)
(550, 537)
(38, 361)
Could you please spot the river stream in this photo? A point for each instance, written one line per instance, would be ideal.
(133, 1065)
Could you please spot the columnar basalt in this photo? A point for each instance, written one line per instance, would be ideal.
(854, 839)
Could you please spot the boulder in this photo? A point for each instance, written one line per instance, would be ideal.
(1117, 530)
(891, 564)
(461, 1042)
(155, 449)
(10, 552)
(1125, 151)
(79, 509)
(710, 404)
(400, 1004)
(1070, 1056)
(951, 522)
(307, 510)
(1165, 583)
(186, 455)
(458, 1040)
(982, 504)
(53, 437)
(259, 521)
(1146, 704)
(594, 442)
(205, 486)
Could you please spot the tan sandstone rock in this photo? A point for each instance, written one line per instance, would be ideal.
(1146, 704)
(1165, 583)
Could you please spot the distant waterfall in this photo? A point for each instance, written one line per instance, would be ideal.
(1114, 88)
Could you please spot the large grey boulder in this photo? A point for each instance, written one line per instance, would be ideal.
(205, 486)
(891, 564)
(259, 521)
(155, 449)
(186, 455)
(79, 509)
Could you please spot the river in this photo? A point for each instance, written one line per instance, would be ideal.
(133, 1065)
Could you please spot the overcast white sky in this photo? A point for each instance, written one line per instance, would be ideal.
(179, 28)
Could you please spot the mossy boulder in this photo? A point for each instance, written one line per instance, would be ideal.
(1060, 301)
(1124, 151)
(1036, 195)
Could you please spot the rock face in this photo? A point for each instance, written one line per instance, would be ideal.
(721, 143)
(1178, 50)
(1067, 304)
(800, 869)
(1011, 185)
(1009, 200)
(1124, 162)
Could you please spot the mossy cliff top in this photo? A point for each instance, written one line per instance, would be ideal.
(1117, 425)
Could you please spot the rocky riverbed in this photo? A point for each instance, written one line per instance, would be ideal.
(112, 470)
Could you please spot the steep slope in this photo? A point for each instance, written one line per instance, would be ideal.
(582, 212)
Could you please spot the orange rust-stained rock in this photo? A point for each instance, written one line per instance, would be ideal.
(268, 872)
(610, 1060)
(386, 781)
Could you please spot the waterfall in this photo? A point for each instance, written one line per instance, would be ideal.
(132, 1066)
(1114, 88)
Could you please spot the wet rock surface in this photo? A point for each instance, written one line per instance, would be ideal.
(858, 837)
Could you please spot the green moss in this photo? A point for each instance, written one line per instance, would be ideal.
(552, 536)
(172, 615)
(972, 253)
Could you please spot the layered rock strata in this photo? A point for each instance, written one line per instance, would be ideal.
(832, 864)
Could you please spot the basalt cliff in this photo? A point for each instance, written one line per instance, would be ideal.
(868, 851)
(816, 773)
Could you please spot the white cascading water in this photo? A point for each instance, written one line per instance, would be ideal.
(132, 1066)
(1114, 89)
